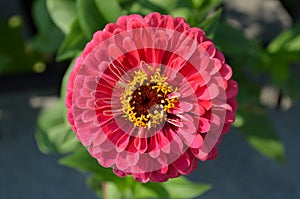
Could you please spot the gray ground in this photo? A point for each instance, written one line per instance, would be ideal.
(239, 171)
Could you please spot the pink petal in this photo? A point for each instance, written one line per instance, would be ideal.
(153, 19)
(167, 21)
(132, 158)
(180, 24)
(114, 51)
(140, 142)
(122, 143)
(226, 71)
(106, 159)
(197, 142)
(135, 21)
(172, 172)
(164, 143)
(209, 47)
(219, 55)
(121, 162)
(232, 89)
(154, 148)
(186, 107)
(204, 125)
(122, 22)
(174, 122)
(142, 177)
(207, 93)
(182, 163)
(120, 173)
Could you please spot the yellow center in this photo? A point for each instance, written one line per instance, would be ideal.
(145, 99)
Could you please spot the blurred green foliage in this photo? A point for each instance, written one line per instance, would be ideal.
(79, 19)
(14, 54)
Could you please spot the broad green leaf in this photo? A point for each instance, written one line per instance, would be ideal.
(181, 12)
(232, 41)
(210, 24)
(45, 41)
(62, 12)
(165, 5)
(72, 44)
(261, 133)
(110, 10)
(183, 188)
(53, 135)
(172, 189)
(203, 10)
(90, 19)
(137, 8)
(113, 191)
(151, 190)
(109, 190)
(278, 66)
(294, 44)
(197, 3)
(155, 5)
(257, 127)
(288, 40)
(242, 51)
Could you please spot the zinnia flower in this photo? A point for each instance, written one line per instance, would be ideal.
(150, 97)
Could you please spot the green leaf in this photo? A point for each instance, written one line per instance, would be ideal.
(232, 41)
(62, 12)
(278, 66)
(167, 4)
(294, 44)
(173, 189)
(53, 135)
(109, 190)
(287, 40)
(110, 10)
(183, 188)
(148, 6)
(113, 191)
(137, 8)
(127, 187)
(261, 133)
(90, 19)
(242, 51)
(202, 9)
(151, 190)
(45, 41)
(197, 3)
(181, 12)
(72, 44)
(210, 24)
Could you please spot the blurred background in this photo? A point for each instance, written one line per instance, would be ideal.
(258, 158)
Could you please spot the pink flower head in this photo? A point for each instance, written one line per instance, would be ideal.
(150, 97)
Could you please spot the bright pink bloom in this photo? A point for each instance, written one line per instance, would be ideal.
(150, 97)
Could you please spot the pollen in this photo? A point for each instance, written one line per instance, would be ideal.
(144, 99)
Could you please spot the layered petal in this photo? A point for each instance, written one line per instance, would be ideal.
(150, 96)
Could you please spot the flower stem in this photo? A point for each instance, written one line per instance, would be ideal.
(104, 190)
